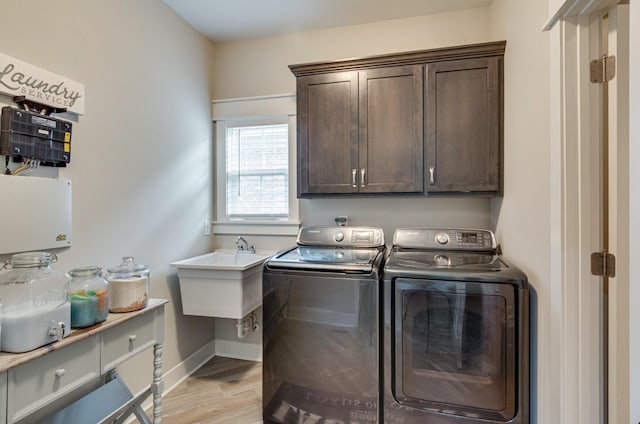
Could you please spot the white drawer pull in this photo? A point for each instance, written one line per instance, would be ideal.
(60, 372)
(132, 338)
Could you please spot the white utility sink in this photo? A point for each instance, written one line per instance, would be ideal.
(224, 259)
(224, 283)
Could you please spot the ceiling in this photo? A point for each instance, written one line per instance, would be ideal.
(230, 20)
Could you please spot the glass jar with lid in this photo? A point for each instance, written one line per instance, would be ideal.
(35, 299)
(89, 296)
(129, 286)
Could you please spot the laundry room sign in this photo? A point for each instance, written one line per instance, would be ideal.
(18, 78)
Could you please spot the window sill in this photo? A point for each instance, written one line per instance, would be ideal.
(262, 228)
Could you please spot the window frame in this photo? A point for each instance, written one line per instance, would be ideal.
(231, 187)
(260, 225)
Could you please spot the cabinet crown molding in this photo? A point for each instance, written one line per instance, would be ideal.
(404, 58)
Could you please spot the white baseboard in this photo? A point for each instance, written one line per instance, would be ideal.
(184, 369)
(238, 350)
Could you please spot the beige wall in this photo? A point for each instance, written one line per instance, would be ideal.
(522, 216)
(260, 67)
(141, 155)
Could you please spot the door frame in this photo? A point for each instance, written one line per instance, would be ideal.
(634, 208)
(575, 225)
(618, 133)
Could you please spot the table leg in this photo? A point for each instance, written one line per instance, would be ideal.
(158, 384)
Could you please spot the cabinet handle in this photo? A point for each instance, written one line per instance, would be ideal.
(60, 372)
(362, 171)
(354, 184)
(132, 338)
(432, 179)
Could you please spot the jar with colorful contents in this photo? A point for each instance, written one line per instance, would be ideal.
(129, 284)
(89, 296)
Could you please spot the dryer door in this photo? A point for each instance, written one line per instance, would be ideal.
(455, 347)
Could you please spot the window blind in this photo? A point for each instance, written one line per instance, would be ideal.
(257, 171)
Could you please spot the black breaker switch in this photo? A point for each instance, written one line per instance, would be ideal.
(28, 135)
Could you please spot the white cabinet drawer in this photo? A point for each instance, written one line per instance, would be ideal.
(122, 342)
(37, 383)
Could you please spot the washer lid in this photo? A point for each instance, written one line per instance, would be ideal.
(327, 259)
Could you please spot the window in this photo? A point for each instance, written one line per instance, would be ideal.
(255, 161)
(257, 171)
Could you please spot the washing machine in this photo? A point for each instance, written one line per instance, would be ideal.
(455, 330)
(320, 328)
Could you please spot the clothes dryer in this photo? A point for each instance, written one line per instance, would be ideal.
(455, 330)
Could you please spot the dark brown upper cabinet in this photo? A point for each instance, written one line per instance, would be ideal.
(361, 131)
(463, 126)
(417, 122)
(327, 133)
(391, 130)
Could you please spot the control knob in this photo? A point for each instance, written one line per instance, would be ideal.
(339, 236)
(442, 238)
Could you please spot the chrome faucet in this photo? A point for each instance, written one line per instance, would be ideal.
(243, 246)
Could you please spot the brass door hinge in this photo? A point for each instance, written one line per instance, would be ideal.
(603, 264)
(603, 69)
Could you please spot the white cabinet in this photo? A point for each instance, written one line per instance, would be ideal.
(122, 342)
(36, 384)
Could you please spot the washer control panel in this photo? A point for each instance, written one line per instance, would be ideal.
(444, 238)
(341, 236)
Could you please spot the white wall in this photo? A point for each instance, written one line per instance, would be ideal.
(522, 216)
(141, 155)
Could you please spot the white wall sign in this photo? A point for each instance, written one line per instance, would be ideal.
(18, 78)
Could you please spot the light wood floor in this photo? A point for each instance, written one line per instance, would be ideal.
(222, 391)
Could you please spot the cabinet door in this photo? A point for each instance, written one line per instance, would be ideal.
(391, 131)
(327, 133)
(464, 126)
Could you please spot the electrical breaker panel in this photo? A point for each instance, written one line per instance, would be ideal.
(28, 135)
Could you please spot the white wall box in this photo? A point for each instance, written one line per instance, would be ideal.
(35, 213)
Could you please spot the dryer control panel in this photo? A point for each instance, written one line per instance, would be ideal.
(445, 239)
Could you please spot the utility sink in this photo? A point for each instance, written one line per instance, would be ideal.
(224, 260)
(223, 284)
